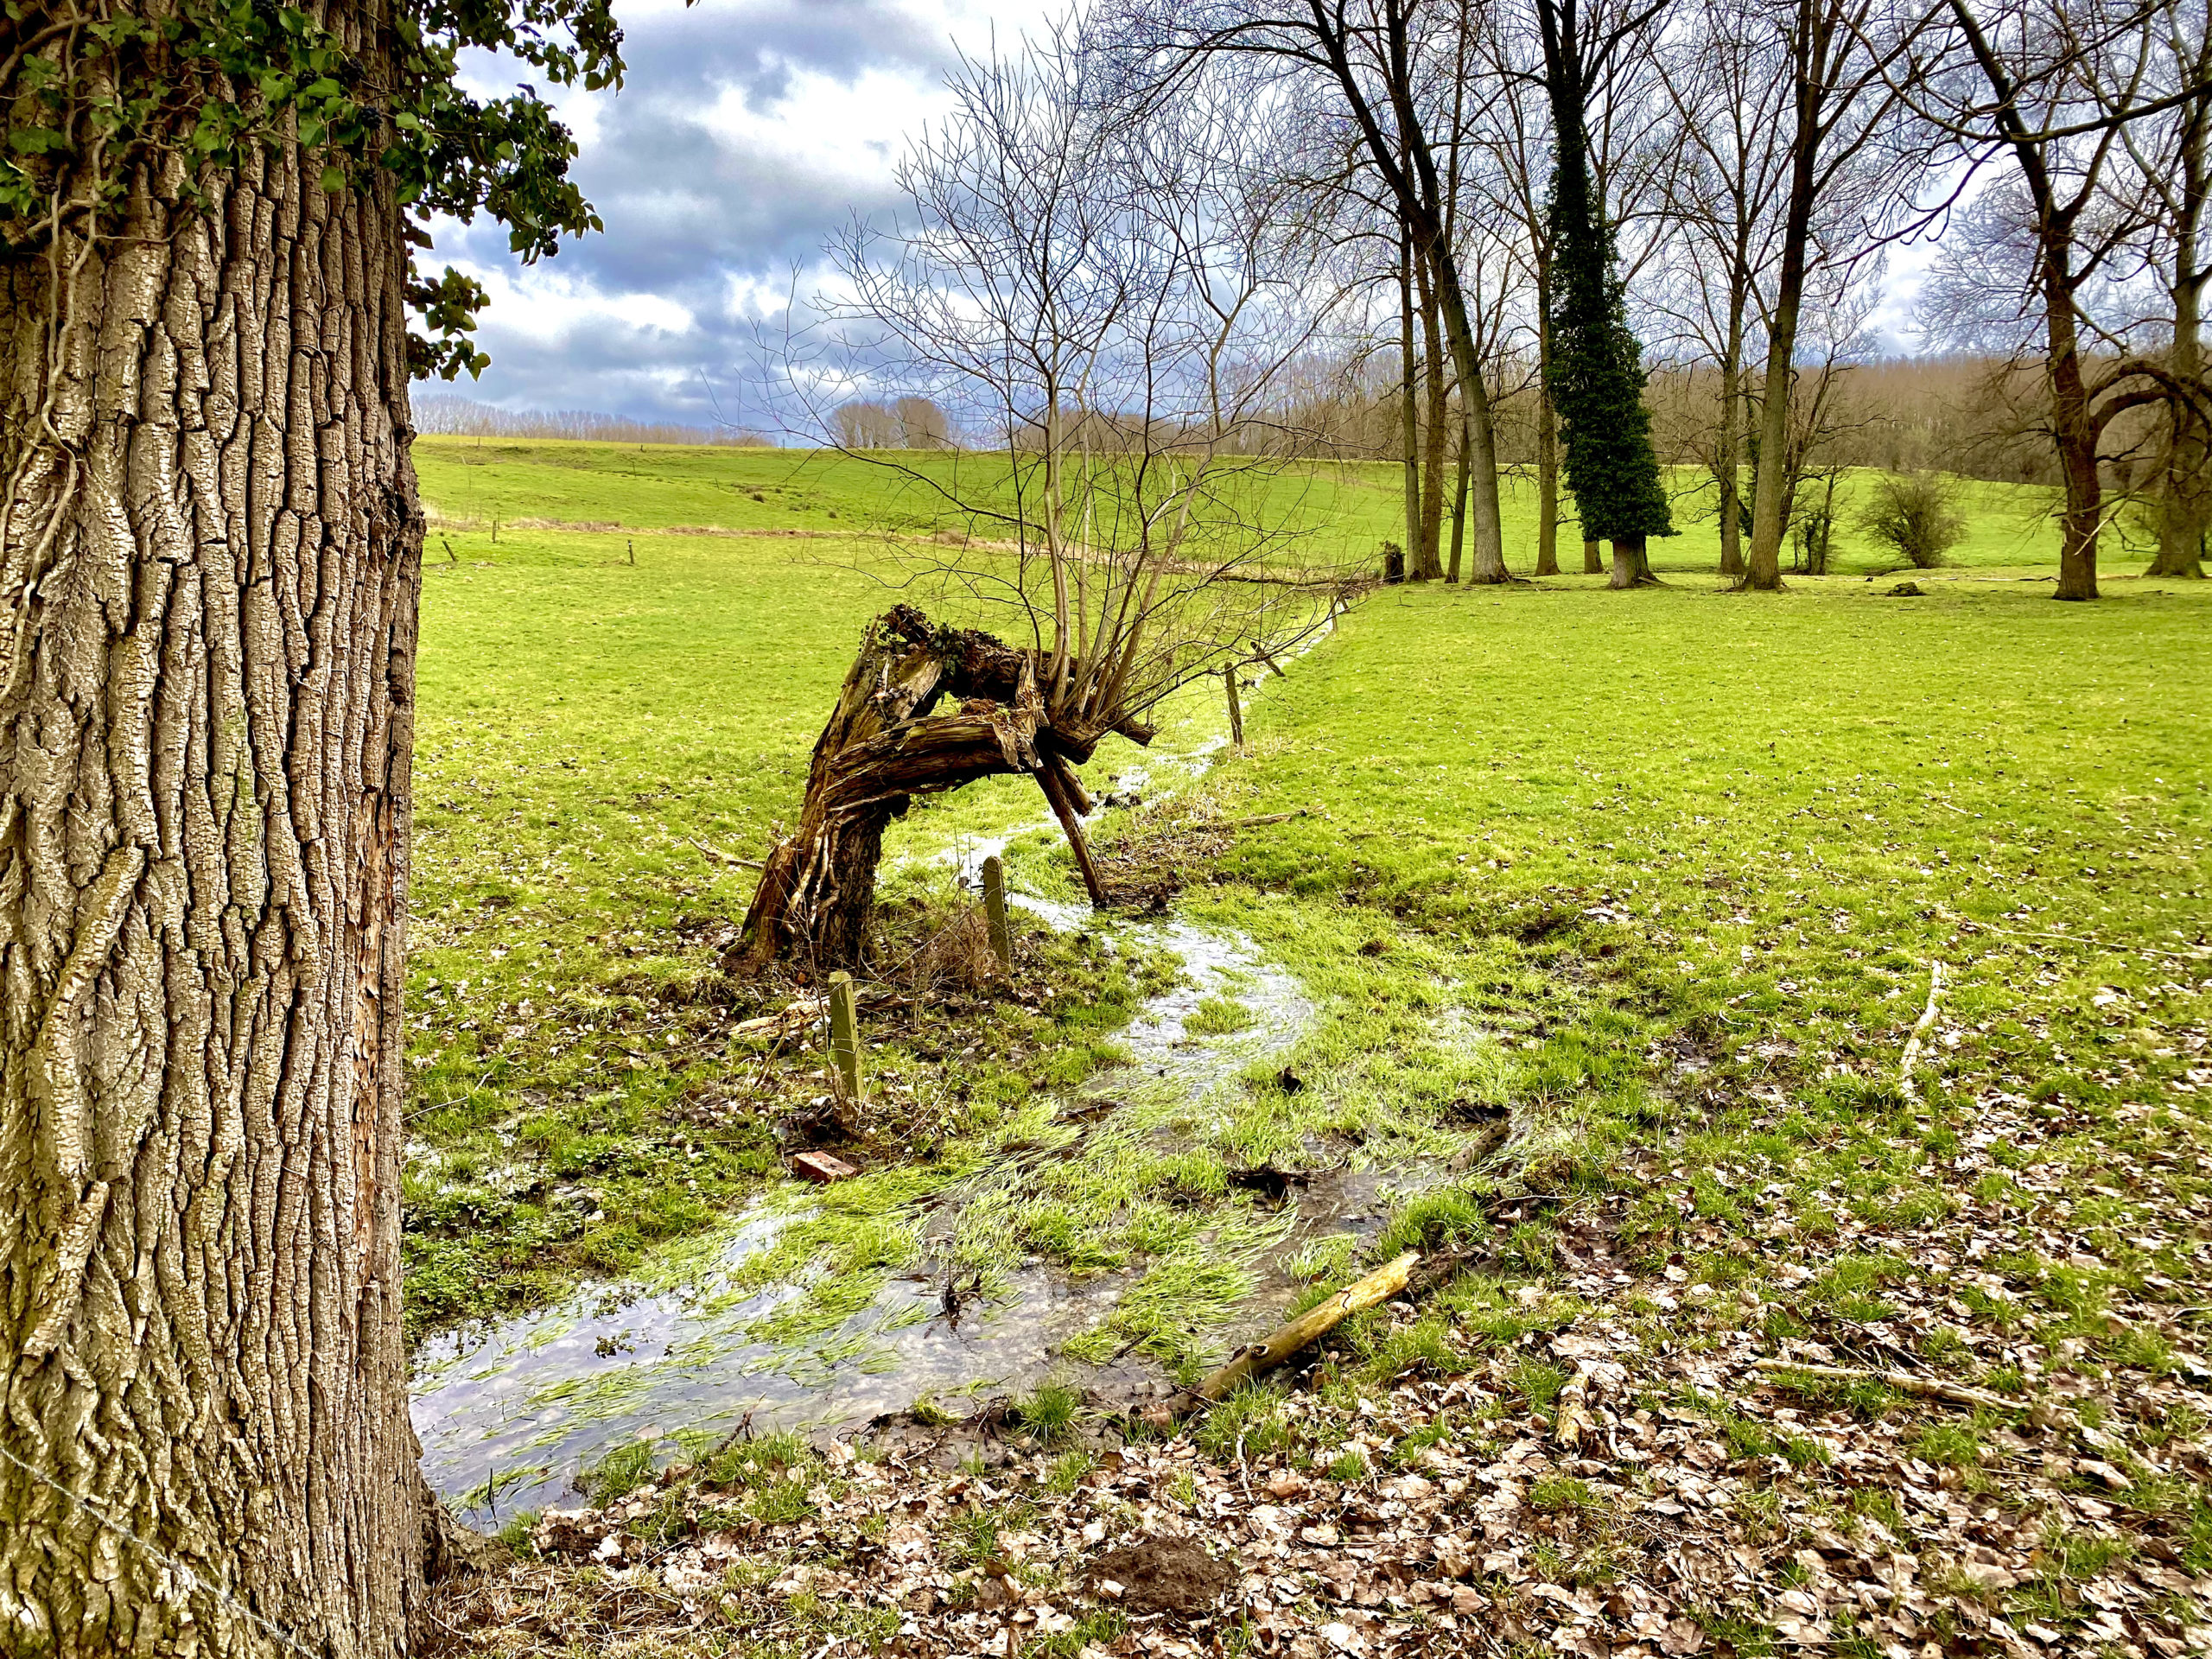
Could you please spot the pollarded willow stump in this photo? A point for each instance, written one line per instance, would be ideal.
(891, 738)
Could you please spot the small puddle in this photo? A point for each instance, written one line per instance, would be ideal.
(507, 1418)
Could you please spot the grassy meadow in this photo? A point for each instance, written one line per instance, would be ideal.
(1652, 874)
(1338, 510)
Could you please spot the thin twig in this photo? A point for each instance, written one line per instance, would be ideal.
(2090, 939)
(1927, 1388)
(1265, 817)
(1906, 1086)
(726, 858)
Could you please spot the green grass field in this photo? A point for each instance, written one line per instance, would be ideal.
(1573, 841)
(1343, 511)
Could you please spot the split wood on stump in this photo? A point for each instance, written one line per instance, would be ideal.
(891, 738)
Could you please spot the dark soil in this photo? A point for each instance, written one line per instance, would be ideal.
(1165, 1575)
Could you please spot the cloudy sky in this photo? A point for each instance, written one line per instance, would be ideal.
(747, 131)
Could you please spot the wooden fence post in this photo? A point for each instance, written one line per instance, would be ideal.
(1235, 710)
(844, 1038)
(994, 909)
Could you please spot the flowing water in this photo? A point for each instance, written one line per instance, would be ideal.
(507, 1414)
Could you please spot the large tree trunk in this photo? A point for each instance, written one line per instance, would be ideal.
(1459, 506)
(1546, 437)
(2184, 507)
(1731, 442)
(1631, 564)
(884, 745)
(209, 562)
(1487, 563)
(2075, 430)
(2076, 427)
(1769, 487)
(1770, 482)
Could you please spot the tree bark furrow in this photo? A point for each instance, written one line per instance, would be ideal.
(209, 592)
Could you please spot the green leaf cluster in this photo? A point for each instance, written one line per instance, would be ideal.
(181, 93)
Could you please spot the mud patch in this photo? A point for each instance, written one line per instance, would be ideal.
(1165, 1576)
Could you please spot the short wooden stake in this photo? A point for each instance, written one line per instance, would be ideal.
(845, 1037)
(1235, 712)
(994, 909)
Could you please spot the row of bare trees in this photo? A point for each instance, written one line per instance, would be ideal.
(1746, 168)
(1155, 253)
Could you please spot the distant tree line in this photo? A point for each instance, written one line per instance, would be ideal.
(465, 417)
(905, 423)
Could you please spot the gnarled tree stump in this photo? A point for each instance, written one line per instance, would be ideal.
(890, 739)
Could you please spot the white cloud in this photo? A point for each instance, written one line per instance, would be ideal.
(745, 134)
(548, 305)
(837, 134)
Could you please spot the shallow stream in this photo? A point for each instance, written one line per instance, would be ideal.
(509, 1414)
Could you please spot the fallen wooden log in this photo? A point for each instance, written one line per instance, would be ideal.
(1309, 1327)
(726, 858)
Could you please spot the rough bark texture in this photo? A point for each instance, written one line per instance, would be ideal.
(1409, 407)
(1632, 564)
(2184, 507)
(1408, 168)
(2077, 418)
(884, 744)
(209, 559)
(1458, 508)
(1811, 39)
(1728, 448)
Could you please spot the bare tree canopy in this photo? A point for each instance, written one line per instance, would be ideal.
(1105, 285)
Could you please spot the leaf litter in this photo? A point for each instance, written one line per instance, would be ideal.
(1615, 1459)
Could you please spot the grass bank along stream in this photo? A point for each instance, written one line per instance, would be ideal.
(1663, 873)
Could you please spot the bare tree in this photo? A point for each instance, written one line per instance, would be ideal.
(2170, 154)
(2053, 87)
(1108, 288)
(1842, 57)
(1727, 86)
(864, 425)
(1516, 134)
(1379, 56)
(923, 425)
